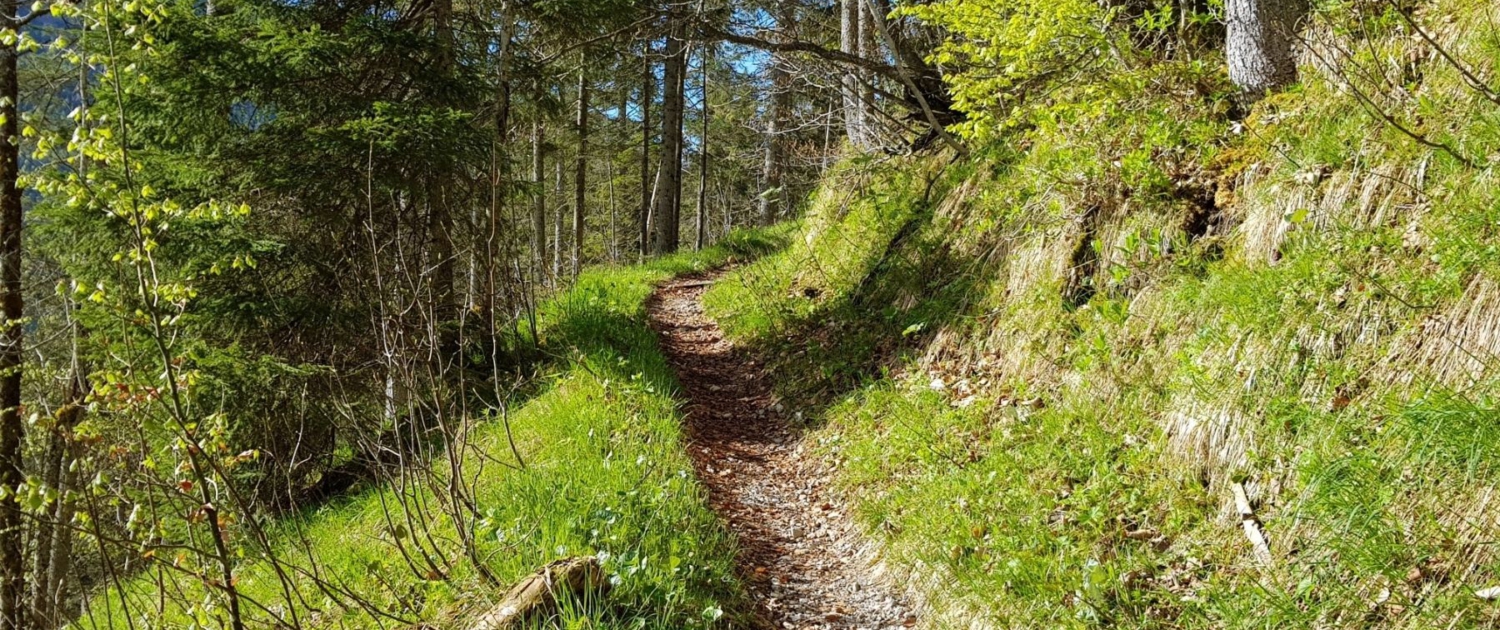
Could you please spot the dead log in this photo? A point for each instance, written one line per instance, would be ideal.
(537, 595)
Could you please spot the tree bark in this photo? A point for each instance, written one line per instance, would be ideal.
(773, 194)
(700, 222)
(54, 536)
(580, 173)
(538, 200)
(12, 431)
(648, 89)
(443, 261)
(1259, 45)
(850, 36)
(869, 48)
(773, 197)
(558, 216)
(501, 185)
(622, 120)
(669, 198)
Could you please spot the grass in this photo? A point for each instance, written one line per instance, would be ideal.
(1041, 383)
(1042, 461)
(606, 477)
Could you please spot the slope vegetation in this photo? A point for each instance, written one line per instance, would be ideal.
(1145, 365)
(606, 476)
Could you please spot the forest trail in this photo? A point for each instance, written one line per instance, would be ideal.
(799, 554)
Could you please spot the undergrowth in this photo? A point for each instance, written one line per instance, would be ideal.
(605, 476)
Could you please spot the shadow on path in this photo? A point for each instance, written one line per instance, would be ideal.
(801, 558)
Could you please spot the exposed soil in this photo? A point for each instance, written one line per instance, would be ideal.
(799, 555)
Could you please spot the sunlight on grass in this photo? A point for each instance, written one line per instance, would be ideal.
(606, 477)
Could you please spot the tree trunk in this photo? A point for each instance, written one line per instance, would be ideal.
(538, 201)
(54, 536)
(558, 208)
(61, 563)
(700, 222)
(850, 31)
(772, 192)
(442, 17)
(623, 122)
(53, 467)
(773, 195)
(669, 198)
(877, 15)
(648, 90)
(869, 48)
(500, 187)
(580, 173)
(443, 262)
(614, 237)
(1259, 47)
(12, 431)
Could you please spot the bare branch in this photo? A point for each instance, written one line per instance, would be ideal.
(795, 46)
(1463, 69)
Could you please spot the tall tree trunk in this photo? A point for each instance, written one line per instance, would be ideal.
(1259, 48)
(443, 261)
(648, 90)
(12, 431)
(60, 565)
(442, 17)
(500, 187)
(538, 201)
(580, 173)
(700, 221)
(773, 197)
(622, 120)
(54, 535)
(558, 208)
(772, 191)
(614, 237)
(869, 48)
(669, 198)
(850, 35)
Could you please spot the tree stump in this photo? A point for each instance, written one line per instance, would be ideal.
(537, 595)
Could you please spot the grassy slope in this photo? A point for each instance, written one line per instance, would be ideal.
(1058, 457)
(607, 476)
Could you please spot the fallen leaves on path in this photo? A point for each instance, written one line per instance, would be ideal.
(799, 554)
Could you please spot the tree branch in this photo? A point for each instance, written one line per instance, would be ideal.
(707, 31)
(917, 92)
(23, 21)
(1463, 69)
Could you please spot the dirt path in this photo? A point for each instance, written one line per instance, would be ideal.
(798, 553)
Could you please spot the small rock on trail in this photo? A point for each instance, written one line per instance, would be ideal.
(799, 554)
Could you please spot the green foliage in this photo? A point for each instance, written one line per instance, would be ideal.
(1069, 463)
(606, 476)
(1009, 51)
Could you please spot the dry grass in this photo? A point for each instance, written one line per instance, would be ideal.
(1458, 347)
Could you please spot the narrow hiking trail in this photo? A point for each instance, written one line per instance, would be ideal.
(799, 555)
